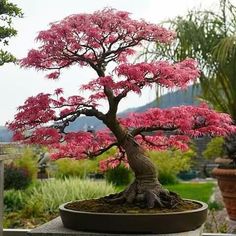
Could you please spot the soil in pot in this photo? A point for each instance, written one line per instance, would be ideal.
(102, 206)
(112, 217)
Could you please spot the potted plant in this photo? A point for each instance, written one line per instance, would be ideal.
(223, 153)
(226, 176)
(105, 40)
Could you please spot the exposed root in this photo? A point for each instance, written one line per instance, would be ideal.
(144, 194)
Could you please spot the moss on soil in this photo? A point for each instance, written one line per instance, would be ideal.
(102, 206)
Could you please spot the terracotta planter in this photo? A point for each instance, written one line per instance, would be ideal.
(227, 184)
(174, 223)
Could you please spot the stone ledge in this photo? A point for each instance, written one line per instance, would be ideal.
(15, 232)
(55, 228)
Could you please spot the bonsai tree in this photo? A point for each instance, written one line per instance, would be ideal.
(105, 40)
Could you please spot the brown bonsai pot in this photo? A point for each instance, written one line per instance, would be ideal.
(158, 223)
(227, 183)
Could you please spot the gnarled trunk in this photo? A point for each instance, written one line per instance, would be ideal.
(145, 191)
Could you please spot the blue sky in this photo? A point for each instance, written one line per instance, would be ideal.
(17, 84)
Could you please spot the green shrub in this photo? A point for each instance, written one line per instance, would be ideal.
(39, 203)
(52, 193)
(14, 200)
(16, 177)
(33, 208)
(119, 176)
(170, 163)
(66, 167)
(188, 174)
(214, 148)
(214, 205)
(28, 161)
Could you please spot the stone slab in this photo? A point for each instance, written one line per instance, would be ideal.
(55, 228)
(15, 232)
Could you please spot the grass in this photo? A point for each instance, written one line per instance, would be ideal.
(53, 192)
(39, 203)
(196, 191)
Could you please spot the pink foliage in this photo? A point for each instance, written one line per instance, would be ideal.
(82, 144)
(95, 40)
(112, 162)
(35, 111)
(84, 38)
(193, 121)
(133, 77)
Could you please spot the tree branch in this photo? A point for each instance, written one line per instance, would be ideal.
(101, 151)
(72, 116)
(151, 143)
(139, 130)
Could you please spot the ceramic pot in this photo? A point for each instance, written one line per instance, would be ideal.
(227, 183)
(176, 223)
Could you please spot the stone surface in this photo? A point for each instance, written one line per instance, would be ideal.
(217, 220)
(55, 228)
(15, 232)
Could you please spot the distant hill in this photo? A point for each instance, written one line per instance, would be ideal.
(171, 99)
(5, 134)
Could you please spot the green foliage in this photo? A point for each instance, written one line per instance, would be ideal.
(54, 192)
(65, 168)
(33, 208)
(187, 175)
(214, 148)
(214, 205)
(16, 177)
(170, 163)
(28, 161)
(14, 200)
(197, 191)
(119, 176)
(8, 11)
(39, 203)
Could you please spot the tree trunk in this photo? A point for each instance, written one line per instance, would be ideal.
(145, 191)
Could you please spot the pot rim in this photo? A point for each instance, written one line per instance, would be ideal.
(203, 207)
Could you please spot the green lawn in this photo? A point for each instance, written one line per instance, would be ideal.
(196, 191)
